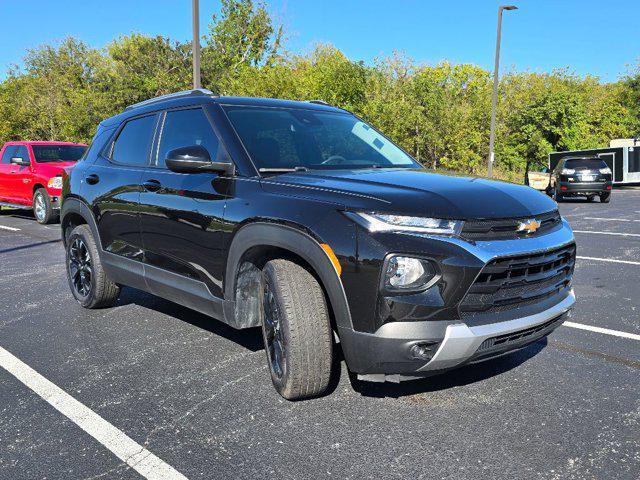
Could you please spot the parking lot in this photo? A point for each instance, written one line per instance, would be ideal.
(151, 389)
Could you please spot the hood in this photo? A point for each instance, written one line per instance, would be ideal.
(52, 169)
(414, 192)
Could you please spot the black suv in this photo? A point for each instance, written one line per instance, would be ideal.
(302, 219)
(581, 177)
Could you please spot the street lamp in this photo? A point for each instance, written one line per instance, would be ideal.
(196, 44)
(494, 97)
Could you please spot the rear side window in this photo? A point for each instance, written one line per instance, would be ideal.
(185, 128)
(134, 142)
(8, 154)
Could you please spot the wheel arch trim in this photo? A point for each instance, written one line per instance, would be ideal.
(263, 234)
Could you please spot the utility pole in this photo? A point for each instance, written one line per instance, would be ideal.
(196, 44)
(494, 96)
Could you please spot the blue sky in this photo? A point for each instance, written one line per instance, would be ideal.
(587, 36)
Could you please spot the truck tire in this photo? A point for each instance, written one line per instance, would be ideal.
(296, 330)
(605, 198)
(42, 208)
(89, 283)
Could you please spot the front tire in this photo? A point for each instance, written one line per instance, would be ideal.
(296, 330)
(89, 283)
(42, 208)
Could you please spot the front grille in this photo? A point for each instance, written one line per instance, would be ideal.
(509, 338)
(506, 228)
(511, 282)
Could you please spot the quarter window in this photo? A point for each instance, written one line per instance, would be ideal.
(134, 142)
(185, 128)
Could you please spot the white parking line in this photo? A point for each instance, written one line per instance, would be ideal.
(606, 331)
(609, 233)
(126, 449)
(11, 229)
(610, 260)
(612, 219)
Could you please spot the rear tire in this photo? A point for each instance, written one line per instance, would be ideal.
(590, 198)
(296, 330)
(557, 196)
(89, 283)
(42, 208)
(605, 198)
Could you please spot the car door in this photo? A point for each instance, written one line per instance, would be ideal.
(112, 185)
(182, 213)
(21, 178)
(5, 171)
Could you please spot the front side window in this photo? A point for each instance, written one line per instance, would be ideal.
(22, 153)
(281, 138)
(186, 128)
(58, 153)
(8, 154)
(134, 141)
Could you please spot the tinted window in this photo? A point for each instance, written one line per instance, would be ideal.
(22, 152)
(133, 144)
(585, 164)
(289, 138)
(57, 153)
(185, 128)
(8, 153)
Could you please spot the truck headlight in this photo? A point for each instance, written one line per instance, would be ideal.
(379, 222)
(403, 274)
(55, 182)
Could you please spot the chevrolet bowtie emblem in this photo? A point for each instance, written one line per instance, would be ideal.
(529, 226)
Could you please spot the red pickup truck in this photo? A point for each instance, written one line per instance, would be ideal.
(31, 175)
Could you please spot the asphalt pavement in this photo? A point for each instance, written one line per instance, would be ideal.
(196, 394)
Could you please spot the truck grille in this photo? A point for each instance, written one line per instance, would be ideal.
(507, 228)
(511, 282)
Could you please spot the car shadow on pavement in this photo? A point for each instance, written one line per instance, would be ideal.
(453, 378)
(250, 338)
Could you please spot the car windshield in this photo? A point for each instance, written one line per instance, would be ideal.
(585, 164)
(58, 153)
(286, 139)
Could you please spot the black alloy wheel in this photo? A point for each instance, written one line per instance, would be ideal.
(80, 267)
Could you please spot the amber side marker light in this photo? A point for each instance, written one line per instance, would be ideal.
(332, 256)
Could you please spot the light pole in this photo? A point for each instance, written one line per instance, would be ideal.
(196, 44)
(494, 97)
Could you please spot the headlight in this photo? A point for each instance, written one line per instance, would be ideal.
(408, 274)
(568, 171)
(605, 171)
(377, 222)
(55, 182)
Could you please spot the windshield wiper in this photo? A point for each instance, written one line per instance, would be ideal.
(282, 170)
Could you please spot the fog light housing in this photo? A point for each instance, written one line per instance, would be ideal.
(408, 274)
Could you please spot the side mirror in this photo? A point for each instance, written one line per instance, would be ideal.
(195, 159)
(20, 161)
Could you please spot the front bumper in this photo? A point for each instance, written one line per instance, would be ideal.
(395, 349)
(581, 188)
(387, 354)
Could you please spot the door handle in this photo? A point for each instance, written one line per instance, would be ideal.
(152, 185)
(92, 179)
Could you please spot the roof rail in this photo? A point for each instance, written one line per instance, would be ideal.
(184, 93)
(319, 102)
